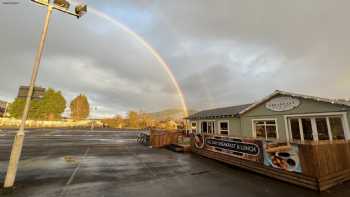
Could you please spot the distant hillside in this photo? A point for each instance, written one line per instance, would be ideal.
(170, 114)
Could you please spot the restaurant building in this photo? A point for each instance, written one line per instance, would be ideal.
(293, 137)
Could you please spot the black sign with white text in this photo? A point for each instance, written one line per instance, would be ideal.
(241, 147)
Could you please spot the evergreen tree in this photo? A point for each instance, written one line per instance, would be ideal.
(80, 107)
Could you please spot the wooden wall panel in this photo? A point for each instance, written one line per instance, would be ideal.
(309, 160)
(323, 165)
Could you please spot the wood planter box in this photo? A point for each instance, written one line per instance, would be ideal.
(315, 166)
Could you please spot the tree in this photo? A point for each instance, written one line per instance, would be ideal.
(119, 121)
(146, 121)
(80, 108)
(15, 109)
(116, 122)
(133, 119)
(50, 107)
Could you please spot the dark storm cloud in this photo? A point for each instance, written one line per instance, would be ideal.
(222, 52)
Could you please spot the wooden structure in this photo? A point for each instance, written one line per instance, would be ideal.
(322, 165)
(328, 163)
(161, 138)
(180, 148)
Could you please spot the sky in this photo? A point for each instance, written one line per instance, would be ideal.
(222, 52)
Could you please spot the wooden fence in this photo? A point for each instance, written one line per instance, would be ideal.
(322, 165)
(329, 163)
(161, 138)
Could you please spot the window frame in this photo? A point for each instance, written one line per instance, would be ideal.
(265, 120)
(228, 127)
(312, 117)
(207, 121)
(194, 128)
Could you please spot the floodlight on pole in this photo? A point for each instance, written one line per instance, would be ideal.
(80, 9)
(62, 3)
(17, 146)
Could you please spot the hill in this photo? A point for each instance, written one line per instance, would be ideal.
(169, 114)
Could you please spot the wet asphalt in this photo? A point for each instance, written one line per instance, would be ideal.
(111, 163)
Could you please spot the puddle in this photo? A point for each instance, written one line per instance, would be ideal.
(71, 159)
(200, 172)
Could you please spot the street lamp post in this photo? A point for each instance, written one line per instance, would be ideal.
(18, 141)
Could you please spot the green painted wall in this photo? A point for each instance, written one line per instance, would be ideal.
(306, 106)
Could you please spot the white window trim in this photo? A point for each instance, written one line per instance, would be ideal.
(200, 126)
(228, 126)
(343, 116)
(196, 126)
(265, 119)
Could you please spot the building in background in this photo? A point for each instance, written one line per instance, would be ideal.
(37, 94)
(3, 107)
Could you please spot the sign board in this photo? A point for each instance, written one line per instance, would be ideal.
(278, 155)
(282, 156)
(284, 103)
(242, 148)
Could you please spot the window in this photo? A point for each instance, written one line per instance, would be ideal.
(294, 126)
(211, 127)
(316, 128)
(208, 127)
(204, 127)
(322, 128)
(307, 128)
(223, 127)
(266, 129)
(194, 127)
(337, 129)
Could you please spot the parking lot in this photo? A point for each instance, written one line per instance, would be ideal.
(111, 163)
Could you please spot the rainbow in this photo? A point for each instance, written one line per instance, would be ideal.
(154, 53)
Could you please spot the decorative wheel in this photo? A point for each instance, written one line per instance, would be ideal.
(199, 141)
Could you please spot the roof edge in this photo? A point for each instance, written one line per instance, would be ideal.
(285, 93)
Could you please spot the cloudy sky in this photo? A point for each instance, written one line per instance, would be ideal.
(222, 52)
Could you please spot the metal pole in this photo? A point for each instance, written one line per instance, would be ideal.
(7, 105)
(18, 142)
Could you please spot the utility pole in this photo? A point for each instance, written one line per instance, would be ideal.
(18, 141)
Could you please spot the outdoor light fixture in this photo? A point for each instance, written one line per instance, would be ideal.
(81, 9)
(43, 1)
(62, 3)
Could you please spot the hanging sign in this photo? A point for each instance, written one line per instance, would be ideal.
(282, 103)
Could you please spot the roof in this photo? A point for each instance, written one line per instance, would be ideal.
(279, 92)
(219, 112)
(241, 109)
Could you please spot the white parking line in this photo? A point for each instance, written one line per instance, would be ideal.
(78, 167)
